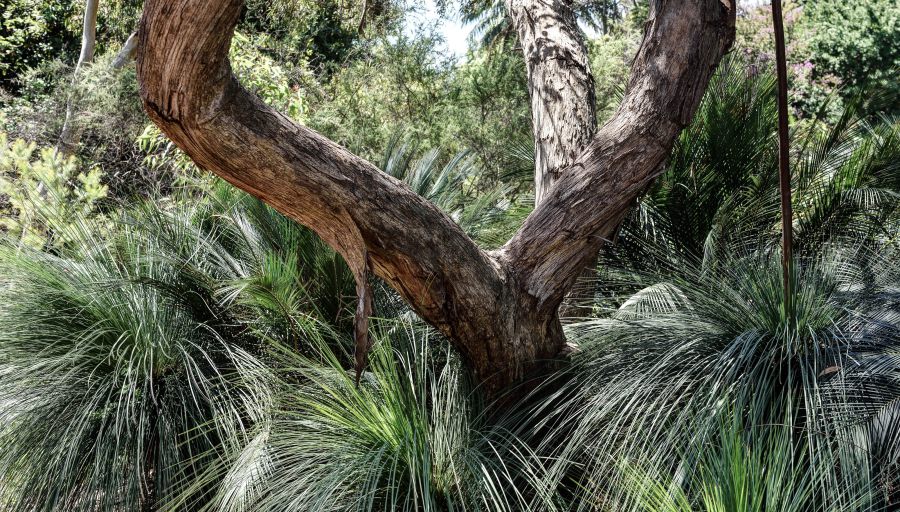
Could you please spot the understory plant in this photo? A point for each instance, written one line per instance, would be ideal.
(43, 190)
(696, 345)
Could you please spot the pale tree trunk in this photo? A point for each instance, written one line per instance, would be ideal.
(70, 134)
(126, 54)
(499, 309)
(560, 85)
(88, 33)
(68, 139)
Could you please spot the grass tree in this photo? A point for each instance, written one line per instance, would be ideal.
(120, 370)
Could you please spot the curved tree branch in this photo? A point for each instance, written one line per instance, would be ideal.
(189, 91)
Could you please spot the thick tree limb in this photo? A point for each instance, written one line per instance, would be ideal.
(499, 310)
(190, 93)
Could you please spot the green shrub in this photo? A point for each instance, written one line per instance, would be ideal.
(46, 194)
(31, 33)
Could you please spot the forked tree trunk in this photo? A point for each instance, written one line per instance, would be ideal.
(500, 308)
(563, 105)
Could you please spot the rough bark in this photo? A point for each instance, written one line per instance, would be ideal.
(189, 91)
(498, 309)
(563, 107)
(683, 42)
(560, 85)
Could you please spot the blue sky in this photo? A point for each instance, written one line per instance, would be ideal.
(454, 33)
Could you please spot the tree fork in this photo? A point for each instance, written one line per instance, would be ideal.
(563, 104)
(499, 309)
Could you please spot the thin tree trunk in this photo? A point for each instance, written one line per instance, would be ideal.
(89, 33)
(499, 309)
(65, 145)
(68, 139)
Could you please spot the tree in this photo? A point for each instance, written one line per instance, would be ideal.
(70, 135)
(858, 42)
(498, 308)
(33, 32)
(68, 139)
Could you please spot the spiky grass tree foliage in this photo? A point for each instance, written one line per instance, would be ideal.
(690, 327)
(132, 361)
(721, 182)
(488, 213)
(137, 362)
(287, 284)
(696, 385)
(744, 470)
(409, 437)
(120, 371)
(692, 346)
(693, 391)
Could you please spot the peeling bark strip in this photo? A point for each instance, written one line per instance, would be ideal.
(499, 310)
(361, 319)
